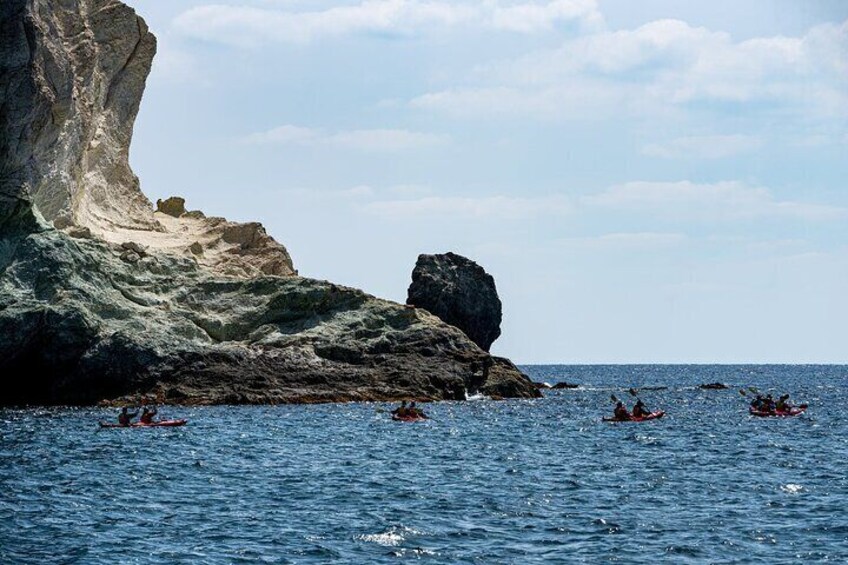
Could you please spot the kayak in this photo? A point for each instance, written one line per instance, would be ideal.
(782, 414)
(159, 424)
(408, 418)
(651, 416)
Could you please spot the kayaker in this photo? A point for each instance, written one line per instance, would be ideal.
(620, 412)
(783, 404)
(401, 411)
(639, 410)
(124, 418)
(147, 415)
(417, 412)
(768, 404)
(757, 403)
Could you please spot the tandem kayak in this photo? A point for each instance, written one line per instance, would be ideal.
(159, 424)
(651, 416)
(781, 414)
(408, 418)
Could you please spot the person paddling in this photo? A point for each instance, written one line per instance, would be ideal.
(417, 412)
(757, 403)
(768, 405)
(783, 404)
(147, 415)
(620, 412)
(124, 418)
(639, 410)
(401, 411)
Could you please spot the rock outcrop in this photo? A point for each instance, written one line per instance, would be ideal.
(101, 298)
(460, 292)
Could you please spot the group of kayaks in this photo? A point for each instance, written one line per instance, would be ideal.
(759, 413)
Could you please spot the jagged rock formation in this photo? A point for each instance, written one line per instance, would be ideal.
(73, 73)
(460, 292)
(101, 298)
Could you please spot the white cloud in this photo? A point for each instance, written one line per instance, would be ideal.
(485, 207)
(703, 147)
(363, 139)
(624, 240)
(250, 26)
(731, 200)
(532, 17)
(658, 65)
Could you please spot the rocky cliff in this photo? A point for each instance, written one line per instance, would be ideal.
(103, 298)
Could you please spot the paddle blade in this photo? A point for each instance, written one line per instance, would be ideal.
(742, 392)
(632, 392)
(613, 398)
(753, 389)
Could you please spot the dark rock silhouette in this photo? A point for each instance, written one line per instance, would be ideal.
(460, 292)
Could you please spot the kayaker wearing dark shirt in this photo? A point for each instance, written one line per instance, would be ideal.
(417, 412)
(147, 415)
(768, 404)
(620, 412)
(639, 410)
(783, 404)
(401, 411)
(757, 403)
(124, 418)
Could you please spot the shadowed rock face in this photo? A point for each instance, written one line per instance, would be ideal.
(460, 292)
(101, 298)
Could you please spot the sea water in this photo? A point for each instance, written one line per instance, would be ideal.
(518, 481)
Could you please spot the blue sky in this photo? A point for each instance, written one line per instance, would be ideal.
(647, 182)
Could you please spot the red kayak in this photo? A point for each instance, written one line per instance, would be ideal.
(651, 416)
(159, 424)
(781, 414)
(409, 418)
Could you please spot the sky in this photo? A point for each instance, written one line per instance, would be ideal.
(648, 182)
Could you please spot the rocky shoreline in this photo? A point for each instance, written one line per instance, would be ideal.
(104, 299)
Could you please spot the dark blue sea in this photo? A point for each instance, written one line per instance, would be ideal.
(541, 481)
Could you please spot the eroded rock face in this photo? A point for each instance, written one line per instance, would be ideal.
(72, 74)
(460, 292)
(101, 298)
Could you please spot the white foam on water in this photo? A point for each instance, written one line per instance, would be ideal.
(791, 488)
(389, 539)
